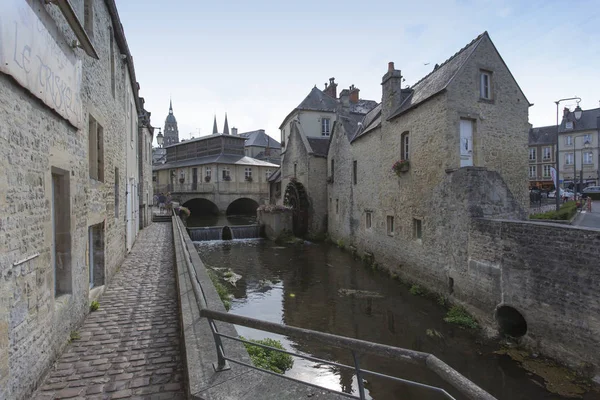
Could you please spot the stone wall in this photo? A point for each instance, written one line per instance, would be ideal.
(275, 223)
(549, 273)
(34, 324)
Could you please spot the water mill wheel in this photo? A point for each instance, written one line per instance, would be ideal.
(296, 198)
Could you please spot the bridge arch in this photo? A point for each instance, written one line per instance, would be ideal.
(242, 206)
(510, 321)
(201, 207)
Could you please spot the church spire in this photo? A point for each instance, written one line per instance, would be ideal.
(170, 106)
(226, 127)
(215, 131)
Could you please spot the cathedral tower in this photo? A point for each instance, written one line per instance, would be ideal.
(171, 131)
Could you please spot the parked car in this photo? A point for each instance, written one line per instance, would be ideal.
(591, 189)
(563, 193)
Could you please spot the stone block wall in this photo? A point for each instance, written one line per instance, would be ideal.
(275, 223)
(35, 324)
(550, 274)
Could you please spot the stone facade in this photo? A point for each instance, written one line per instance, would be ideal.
(145, 138)
(46, 182)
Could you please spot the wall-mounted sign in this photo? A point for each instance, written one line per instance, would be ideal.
(35, 53)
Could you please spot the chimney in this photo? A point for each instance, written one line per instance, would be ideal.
(345, 98)
(354, 94)
(331, 89)
(566, 112)
(391, 90)
(234, 131)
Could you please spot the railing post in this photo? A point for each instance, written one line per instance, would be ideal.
(359, 379)
(221, 364)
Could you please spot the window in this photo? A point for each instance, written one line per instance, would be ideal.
(390, 225)
(117, 191)
(226, 175)
(96, 149)
(532, 171)
(587, 138)
(569, 158)
(96, 254)
(532, 154)
(569, 125)
(547, 171)
(588, 157)
(248, 173)
(88, 18)
(485, 87)
(295, 169)
(208, 172)
(354, 171)
(368, 219)
(547, 153)
(267, 174)
(417, 229)
(111, 50)
(332, 168)
(325, 126)
(337, 206)
(404, 154)
(568, 140)
(61, 231)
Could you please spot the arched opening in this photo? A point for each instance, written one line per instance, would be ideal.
(511, 322)
(226, 233)
(296, 198)
(203, 212)
(242, 206)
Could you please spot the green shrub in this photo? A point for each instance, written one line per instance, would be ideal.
(459, 316)
(269, 359)
(94, 306)
(565, 213)
(222, 291)
(74, 336)
(340, 243)
(416, 290)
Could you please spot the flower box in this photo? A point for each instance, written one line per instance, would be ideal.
(401, 166)
(207, 178)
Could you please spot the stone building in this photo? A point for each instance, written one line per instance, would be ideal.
(579, 147)
(261, 146)
(542, 157)
(452, 129)
(305, 134)
(145, 138)
(69, 168)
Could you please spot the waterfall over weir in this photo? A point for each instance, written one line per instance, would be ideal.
(224, 232)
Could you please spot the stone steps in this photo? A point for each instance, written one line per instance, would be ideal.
(161, 218)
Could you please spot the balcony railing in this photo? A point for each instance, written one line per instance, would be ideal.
(243, 187)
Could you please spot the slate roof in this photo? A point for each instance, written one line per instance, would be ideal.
(370, 122)
(204, 138)
(590, 120)
(319, 145)
(260, 139)
(542, 135)
(218, 159)
(363, 106)
(275, 176)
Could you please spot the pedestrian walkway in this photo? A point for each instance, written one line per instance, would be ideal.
(590, 219)
(129, 348)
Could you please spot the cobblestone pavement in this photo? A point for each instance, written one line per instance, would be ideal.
(129, 348)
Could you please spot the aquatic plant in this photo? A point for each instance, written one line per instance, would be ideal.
(416, 290)
(222, 291)
(459, 316)
(271, 360)
(94, 306)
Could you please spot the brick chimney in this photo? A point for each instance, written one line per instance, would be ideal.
(331, 89)
(566, 112)
(354, 94)
(345, 98)
(391, 90)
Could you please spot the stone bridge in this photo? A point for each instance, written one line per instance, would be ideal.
(218, 198)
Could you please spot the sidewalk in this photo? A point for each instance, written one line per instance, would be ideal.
(590, 219)
(129, 348)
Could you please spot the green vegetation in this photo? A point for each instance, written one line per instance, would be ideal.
(442, 300)
(271, 360)
(416, 290)
(566, 212)
(459, 316)
(74, 336)
(94, 306)
(222, 291)
(340, 244)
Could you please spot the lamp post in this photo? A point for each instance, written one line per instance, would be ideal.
(578, 112)
(586, 145)
(159, 138)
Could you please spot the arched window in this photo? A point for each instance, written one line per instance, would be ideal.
(404, 146)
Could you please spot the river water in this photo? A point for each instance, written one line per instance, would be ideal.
(313, 286)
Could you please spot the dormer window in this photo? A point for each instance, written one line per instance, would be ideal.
(485, 85)
(569, 125)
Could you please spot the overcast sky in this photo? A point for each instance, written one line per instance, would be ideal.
(257, 60)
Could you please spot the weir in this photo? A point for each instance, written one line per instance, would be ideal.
(202, 234)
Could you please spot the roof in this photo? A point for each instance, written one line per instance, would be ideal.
(275, 176)
(370, 122)
(542, 135)
(363, 106)
(590, 120)
(218, 159)
(260, 138)
(204, 138)
(319, 145)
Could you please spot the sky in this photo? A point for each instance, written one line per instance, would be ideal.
(257, 60)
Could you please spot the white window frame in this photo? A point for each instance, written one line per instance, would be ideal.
(485, 85)
(587, 138)
(588, 157)
(569, 159)
(569, 125)
(390, 225)
(568, 140)
(248, 172)
(533, 171)
(546, 171)
(226, 172)
(405, 146)
(208, 172)
(368, 220)
(532, 154)
(547, 153)
(418, 229)
(267, 174)
(325, 126)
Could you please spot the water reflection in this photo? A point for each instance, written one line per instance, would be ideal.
(220, 220)
(319, 287)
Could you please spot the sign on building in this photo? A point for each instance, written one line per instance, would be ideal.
(36, 54)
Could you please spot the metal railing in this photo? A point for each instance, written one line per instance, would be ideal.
(355, 346)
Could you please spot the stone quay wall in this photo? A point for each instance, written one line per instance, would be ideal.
(275, 223)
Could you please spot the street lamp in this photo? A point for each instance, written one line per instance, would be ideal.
(159, 138)
(586, 145)
(578, 113)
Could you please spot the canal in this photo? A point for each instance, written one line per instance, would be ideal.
(320, 287)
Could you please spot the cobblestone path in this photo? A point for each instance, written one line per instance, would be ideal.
(129, 348)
